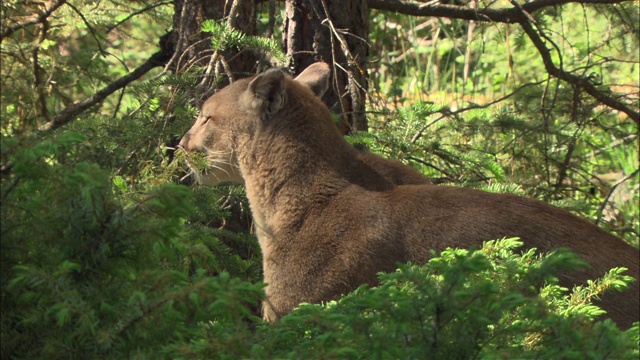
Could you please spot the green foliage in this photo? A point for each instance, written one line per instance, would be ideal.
(103, 257)
(86, 276)
(101, 279)
(80, 52)
(224, 37)
(544, 136)
(516, 147)
(462, 304)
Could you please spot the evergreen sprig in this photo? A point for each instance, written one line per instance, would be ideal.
(224, 37)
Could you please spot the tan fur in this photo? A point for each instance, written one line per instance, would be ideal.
(316, 77)
(328, 220)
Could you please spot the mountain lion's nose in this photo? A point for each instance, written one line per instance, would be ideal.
(184, 142)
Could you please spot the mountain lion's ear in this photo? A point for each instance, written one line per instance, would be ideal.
(316, 77)
(266, 93)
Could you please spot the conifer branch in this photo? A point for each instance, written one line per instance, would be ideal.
(137, 12)
(69, 114)
(72, 111)
(91, 30)
(472, 106)
(36, 19)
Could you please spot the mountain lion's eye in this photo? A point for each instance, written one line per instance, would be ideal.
(206, 120)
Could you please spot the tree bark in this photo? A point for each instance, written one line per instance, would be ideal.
(193, 47)
(335, 32)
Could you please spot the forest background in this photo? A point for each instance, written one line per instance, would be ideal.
(105, 253)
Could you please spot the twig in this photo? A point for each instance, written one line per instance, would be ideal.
(190, 62)
(356, 91)
(613, 189)
(233, 14)
(93, 33)
(33, 20)
(178, 46)
(578, 81)
(421, 161)
(115, 112)
(137, 12)
(446, 113)
(44, 112)
(69, 114)
(208, 73)
(610, 146)
(505, 15)
(575, 118)
(467, 53)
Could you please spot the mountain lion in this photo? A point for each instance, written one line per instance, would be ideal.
(328, 218)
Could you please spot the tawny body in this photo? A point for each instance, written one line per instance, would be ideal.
(328, 218)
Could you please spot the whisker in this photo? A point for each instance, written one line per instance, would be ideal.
(219, 168)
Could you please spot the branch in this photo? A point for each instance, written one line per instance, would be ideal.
(33, 19)
(447, 112)
(442, 10)
(137, 12)
(613, 189)
(69, 114)
(37, 70)
(73, 110)
(519, 15)
(88, 25)
(578, 81)
(504, 15)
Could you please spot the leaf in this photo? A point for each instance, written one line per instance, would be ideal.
(67, 267)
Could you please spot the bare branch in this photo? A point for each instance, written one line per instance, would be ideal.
(37, 71)
(69, 114)
(447, 113)
(36, 19)
(613, 189)
(520, 15)
(138, 12)
(232, 20)
(575, 80)
(504, 15)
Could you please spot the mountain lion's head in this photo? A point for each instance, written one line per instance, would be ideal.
(230, 113)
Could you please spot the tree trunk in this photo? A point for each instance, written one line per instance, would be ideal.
(193, 47)
(335, 32)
